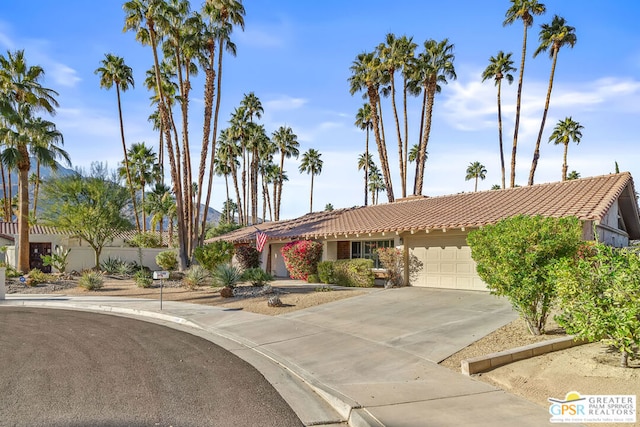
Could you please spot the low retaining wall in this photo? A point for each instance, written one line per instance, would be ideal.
(493, 360)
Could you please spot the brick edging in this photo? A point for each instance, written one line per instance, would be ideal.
(493, 360)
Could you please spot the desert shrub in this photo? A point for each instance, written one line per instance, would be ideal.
(36, 277)
(10, 272)
(599, 297)
(274, 301)
(146, 240)
(354, 272)
(256, 276)
(195, 276)
(58, 259)
(213, 254)
(515, 256)
(313, 278)
(91, 280)
(323, 289)
(143, 279)
(302, 257)
(126, 268)
(226, 275)
(325, 272)
(248, 257)
(392, 260)
(118, 267)
(167, 260)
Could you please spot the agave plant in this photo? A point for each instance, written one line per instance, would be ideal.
(226, 275)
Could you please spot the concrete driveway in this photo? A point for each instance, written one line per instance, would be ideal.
(429, 323)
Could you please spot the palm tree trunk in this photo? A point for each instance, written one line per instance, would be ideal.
(213, 140)
(23, 211)
(311, 195)
(234, 172)
(206, 131)
(175, 176)
(7, 199)
(382, 148)
(126, 161)
(36, 189)
(500, 135)
(425, 137)
(518, 104)
(564, 162)
(536, 152)
(278, 197)
(366, 169)
(406, 140)
(422, 114)
(401, 164)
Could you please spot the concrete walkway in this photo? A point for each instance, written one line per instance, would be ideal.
(369, 360)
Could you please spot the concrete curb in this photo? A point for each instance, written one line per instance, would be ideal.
(349, 410)
(490, 361)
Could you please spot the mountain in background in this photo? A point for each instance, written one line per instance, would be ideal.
(213, 216)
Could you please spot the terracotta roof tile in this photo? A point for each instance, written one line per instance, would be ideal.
(587, 199)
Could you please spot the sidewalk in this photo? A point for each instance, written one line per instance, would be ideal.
(368, 360)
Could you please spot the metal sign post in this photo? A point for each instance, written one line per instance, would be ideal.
(160, 275)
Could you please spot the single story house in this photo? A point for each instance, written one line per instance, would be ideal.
(435, 228)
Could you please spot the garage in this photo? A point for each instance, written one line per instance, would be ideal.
(447, 261)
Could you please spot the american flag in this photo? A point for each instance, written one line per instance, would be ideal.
(261, 239)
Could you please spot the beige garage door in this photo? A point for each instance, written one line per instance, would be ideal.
(447, 262)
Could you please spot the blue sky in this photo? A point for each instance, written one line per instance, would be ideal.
(295, 56)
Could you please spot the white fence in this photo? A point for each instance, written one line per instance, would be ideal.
(82, 258)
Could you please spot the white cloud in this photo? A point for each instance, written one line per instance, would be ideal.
(64, 75)
(262, 37)
(284, 102)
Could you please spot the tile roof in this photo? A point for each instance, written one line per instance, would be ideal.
(586, 198)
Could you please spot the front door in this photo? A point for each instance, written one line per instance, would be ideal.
(36, 252)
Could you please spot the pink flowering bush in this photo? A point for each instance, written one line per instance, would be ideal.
(301, 258)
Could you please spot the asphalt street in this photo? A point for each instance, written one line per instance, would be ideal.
(70, 368)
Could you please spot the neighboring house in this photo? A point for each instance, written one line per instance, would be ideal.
(435, 228)
(43, 240)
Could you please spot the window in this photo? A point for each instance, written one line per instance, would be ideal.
(367, 249)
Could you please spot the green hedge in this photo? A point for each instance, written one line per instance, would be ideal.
(354, 272)
(325, 272)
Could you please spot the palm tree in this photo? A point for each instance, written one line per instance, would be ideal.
(573, 175)
(46, 151)
(500, 67)
(367, 75)
(144, 170)
(524, 10)
(552, 38)
(564, 132)
(363, 121)
(376, 183)
(224, 14)
(391, 60)
(365, 161)
(230, 150)
(433, 66)
(159, 205)
(311, 164)
(287, 143)
(114, 72)
(474, 171)
(141, 16)
(22, 96)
